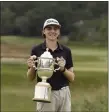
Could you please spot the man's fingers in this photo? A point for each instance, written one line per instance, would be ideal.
(62, 57)
(61, 62)
(33, 57)
(58, 58)
(30, 62)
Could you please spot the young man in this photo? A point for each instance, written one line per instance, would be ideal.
(59, 81)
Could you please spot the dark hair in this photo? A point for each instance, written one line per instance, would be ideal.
(43, 35)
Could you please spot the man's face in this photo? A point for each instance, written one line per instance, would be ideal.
(52, 32)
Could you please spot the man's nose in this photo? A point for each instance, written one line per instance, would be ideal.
(52, 30)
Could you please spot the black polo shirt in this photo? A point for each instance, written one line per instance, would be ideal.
(57, 80)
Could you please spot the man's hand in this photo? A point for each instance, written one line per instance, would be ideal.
(31, 73)
(30, 61)
(61, 62)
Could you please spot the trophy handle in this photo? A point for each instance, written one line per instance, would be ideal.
(56, 68)
(35, 61)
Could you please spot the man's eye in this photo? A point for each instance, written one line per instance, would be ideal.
(55, 28)
(49, 28)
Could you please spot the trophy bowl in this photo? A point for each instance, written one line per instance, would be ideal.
(45, 69)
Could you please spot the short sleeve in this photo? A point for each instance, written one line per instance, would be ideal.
(69, 61)
(33, 51)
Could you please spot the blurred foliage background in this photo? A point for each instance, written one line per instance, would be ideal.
(84, 30)
(85, 21)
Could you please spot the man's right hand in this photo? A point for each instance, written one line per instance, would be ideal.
(30, 61)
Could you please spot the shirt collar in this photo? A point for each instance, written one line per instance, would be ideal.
(59, 46)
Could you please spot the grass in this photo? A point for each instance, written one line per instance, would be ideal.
(89, 90)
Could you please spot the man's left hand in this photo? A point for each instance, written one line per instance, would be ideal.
(61, 62)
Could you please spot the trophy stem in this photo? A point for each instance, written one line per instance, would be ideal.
(44, 78)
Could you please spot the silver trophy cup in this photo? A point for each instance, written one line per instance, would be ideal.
(45, 69)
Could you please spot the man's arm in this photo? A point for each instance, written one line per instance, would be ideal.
(69, 74)
(31, 74)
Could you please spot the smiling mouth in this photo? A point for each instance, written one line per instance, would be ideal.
(52, 35)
